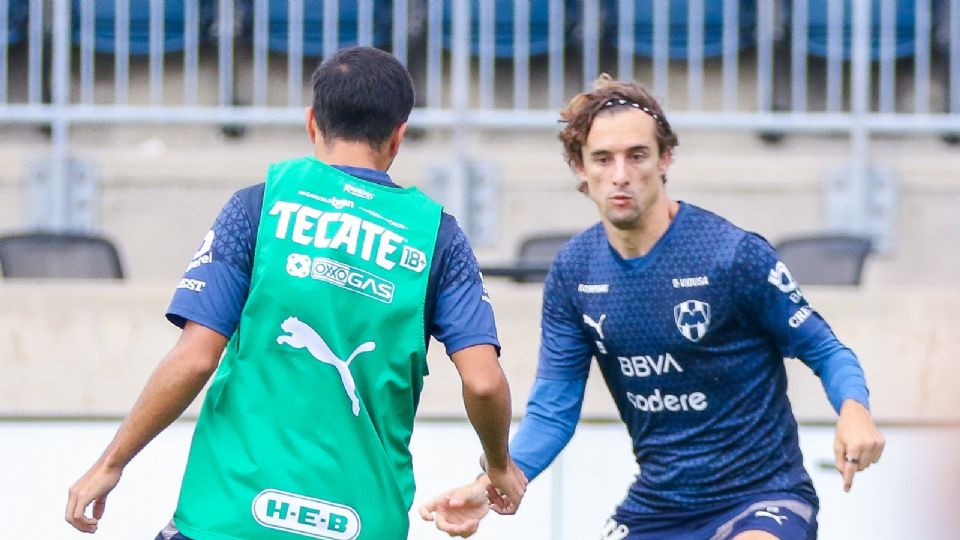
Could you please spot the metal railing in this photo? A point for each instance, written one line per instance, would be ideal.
(730, 65)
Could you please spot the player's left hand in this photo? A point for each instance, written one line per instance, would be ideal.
(92, 487)
(858, 443)
(458, 512)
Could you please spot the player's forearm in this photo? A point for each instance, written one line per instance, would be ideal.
(839, 371)
(548, 425)
(174, 384)
(489, 409)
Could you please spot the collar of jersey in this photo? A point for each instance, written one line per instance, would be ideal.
(643, 261)
(370, 175)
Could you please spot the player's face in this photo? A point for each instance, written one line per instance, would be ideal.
(623, 168)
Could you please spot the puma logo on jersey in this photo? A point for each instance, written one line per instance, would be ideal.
(613, 531)
(772, 512)
(302, 336)
(596, 325)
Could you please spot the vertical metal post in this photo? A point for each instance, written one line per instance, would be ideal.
(556, 40)
(261, 15)
(121, 50)
(556, 499)
(591, 41)
(331, 26)
(798, 57)
(191, 46)
(5, 45)
(835, 54)
(521, 54)
(434, 56)
(921, 75)
(626, 38)
(295, 50)
(156, 26)
(661, 51)
(60, 129)
(695, 36)
(86, 52)
(400, 30)
(35, 52)
(888, 26)
(226, 52)
(731, 49)
(860, 101)
(765, 56)
(955, 56)
(365, 23)
(486, 76)
(460, 101)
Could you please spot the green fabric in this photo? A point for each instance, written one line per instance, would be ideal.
(307, 436)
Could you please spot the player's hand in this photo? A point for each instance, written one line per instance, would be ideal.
(458, 512)
(92, 487)
(507, 487)
(858, 444)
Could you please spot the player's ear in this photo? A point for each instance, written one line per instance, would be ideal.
(397, 138)
(583, 186)
(311, 125)
(666, 159)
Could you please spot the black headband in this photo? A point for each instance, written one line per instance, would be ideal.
(616, 102)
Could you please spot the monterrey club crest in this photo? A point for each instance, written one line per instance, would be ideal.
(693, 319)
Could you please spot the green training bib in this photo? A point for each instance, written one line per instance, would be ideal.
(305, 429)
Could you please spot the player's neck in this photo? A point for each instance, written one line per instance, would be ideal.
(638, 241)
(353, 154)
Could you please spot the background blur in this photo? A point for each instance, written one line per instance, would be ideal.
(127, 124)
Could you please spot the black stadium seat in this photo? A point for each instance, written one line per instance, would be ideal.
(45, 255)
(825, 259)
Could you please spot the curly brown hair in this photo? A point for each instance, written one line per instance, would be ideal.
(583, 108)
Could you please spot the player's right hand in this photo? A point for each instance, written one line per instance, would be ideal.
(507, 487)
(92, 487)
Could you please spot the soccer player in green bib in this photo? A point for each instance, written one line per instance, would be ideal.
(320, 289)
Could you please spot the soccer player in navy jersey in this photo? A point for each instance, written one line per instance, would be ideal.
(689, 318)
(326, 257)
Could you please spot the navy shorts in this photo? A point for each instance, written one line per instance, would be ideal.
(785, 516)
(170, 532)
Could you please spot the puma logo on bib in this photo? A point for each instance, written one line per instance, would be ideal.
(300, 335)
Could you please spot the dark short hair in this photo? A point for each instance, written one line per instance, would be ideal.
(361, 94)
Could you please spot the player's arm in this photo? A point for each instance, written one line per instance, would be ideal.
(462, 319)
(171, 388)
(207, 306)
(486, 397)
(772, 297)
(556, 398)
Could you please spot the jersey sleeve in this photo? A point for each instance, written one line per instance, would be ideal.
(215, 284)
(462, 316)
(565, 353)
(769, 296)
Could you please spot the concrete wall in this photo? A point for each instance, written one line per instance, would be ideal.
(88, 348)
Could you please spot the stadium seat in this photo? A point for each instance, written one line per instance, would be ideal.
(58, 255)
(679, 47)
(818, 28)
(503, 20)
(347, 17)
(174, 29)
(534, 258)
(825, 259)
(18, 11)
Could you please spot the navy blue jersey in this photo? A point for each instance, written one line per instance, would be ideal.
(215, 284)
(690, 340)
